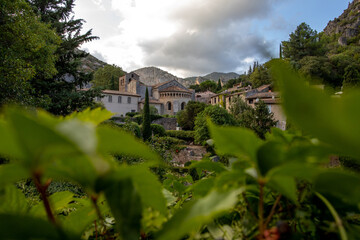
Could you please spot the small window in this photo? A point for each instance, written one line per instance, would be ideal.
(182, 106)
(250, 101)
(133, 111)
(110, 98)
(119, 99)
(214, 100)
(169, 106)
(129, 100)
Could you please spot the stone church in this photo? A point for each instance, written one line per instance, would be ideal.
(168, 98)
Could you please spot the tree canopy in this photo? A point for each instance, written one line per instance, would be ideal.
(62, 87)
(108, 77)
(186, 118)
(27, 48)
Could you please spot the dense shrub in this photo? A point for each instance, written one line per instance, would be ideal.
(158, 130)
(186, 118)
(217, 115)
(131, 114)
(184, 135)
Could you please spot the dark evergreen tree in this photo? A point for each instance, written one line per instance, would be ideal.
(146, 125)
(260, 119)
(219, 85)
(63, 88)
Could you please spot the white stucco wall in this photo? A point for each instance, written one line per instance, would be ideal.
(120, 109)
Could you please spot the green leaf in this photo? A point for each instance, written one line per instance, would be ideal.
(270, 155)
(125, 205)
(11, 173)
(23, 227)
(198, 213)
(145, 183)
(12, 201)
(58, 201)
(202, 187)
(284, 185)
(235, 141)
(78, 169)
(339, 184)
(39, 142)
(8, 144)
(332, 120)
(120, 142)
(77, 221)
(170, 199)
(302, 171)
(209, 166)
(95, 116)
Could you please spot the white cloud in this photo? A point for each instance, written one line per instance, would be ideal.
(185, 37)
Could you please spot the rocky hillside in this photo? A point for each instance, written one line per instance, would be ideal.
(152, 75)
(91, 63)
(347, 25)
(224, 77)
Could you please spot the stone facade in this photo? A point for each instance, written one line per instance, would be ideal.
(252, 97)
(168, 97)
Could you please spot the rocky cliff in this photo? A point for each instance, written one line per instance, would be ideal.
(347, 24)
(152, 75)
(224, 77)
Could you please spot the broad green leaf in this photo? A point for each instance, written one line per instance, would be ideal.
(232, 179)
(270, 155)
(170, 199)
(235, 141)
(58, 201)
(78, 169)
(8, 144)
(339, 184)
(121, 142)
(202, 187)
(77, 221)
(11, 173)
(332, 120)
(125, 205)
(12, 201)
(209, 166)
(39, 142)
(81, 134)
(146, 184)
(95, 116)
(18, 227)
(302, 171)
(198, 213)
(284, 185)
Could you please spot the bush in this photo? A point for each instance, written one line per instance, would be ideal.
(158, 130)
(186, 118)
(132, 127)
(131, 114)
(184, 135)
(218, 115)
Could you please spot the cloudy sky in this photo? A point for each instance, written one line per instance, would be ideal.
(196, 37)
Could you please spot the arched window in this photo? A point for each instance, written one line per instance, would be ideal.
(129, 100)
(169, 106)
(183, 106)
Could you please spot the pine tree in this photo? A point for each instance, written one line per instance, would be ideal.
(62, 88)
(146, 125)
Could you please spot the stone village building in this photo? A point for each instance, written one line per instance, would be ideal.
(252, 97)
(168, 98)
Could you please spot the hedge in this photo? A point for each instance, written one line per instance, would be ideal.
(181, 134)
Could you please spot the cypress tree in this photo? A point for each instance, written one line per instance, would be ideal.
(219, 85)
(146, 125)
